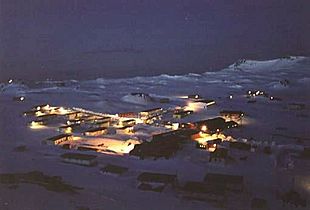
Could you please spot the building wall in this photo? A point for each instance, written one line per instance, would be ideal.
(80, 161)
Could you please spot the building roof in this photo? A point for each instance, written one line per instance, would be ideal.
(78, 156)
(103, 118)
(55, 138)
(179, 132)
(151, 110)
(126, 114)
(115, 169)
(124, 127)
(156, 177)
(210, 121)
(130, 120)
(47, 115)
(74, 112)
(212, 124)
(95, 129)
(207, 101)
(87, 148)
(183, 112)
(223, 179)
(69, 126)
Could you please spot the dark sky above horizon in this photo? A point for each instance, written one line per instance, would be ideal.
(62, 39)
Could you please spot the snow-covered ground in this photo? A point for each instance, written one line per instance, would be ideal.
(279, 121)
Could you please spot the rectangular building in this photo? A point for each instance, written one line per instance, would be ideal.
(59, 139)
(80, 159)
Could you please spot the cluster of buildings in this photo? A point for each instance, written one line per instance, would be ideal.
(77, 125)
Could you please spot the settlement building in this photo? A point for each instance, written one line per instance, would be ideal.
(95, 132)
(73, 115)
(114, 170)
(48, 117)
(230, 114)
(231, 124)
(149, 113)
(100, 124)
(180, 114)
(130, 122)
(80, 159)
(37, 123)
(124, 130)
(58, 139)
(66, 128)
(155, 181)
(128, 114)
(210, 126)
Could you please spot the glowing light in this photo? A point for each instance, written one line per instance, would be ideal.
(271, 98)
(211, 149)
(230, 96)
(62, 110)
(204, 128)
(68, 130)
(36, 125)
(10, 81)
(175, 126)
(39, 113)
(191, 106)
(22, 98)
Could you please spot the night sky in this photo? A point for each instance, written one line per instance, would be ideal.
(42, 39)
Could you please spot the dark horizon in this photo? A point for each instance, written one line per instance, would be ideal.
(112, 39)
